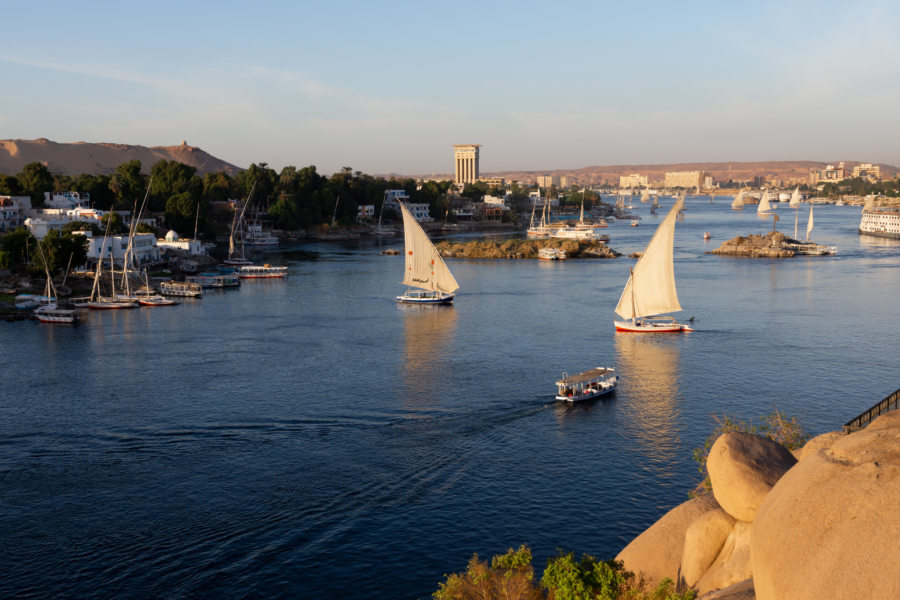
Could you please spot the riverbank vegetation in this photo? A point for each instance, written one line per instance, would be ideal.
(511, 576)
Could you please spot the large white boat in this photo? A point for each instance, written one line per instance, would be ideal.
(254, 235)
(214, 280)
(881, 222)
(552, 254)
(650, 290)
(589, 384)
(260, 272)
(424, 269)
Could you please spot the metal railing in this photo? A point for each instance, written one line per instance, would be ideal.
(890, 403)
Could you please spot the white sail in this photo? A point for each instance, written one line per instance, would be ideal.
(738, 201)
(795, 198)
(645, 196)
(425, 269)
(809, 225)
(764, 205)
(870, 203)
(651, 287)
(655, 203)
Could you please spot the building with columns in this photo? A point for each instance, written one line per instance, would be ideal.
(466, 161)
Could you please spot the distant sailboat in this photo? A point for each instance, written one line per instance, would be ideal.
(424, 267)
(795, 198)
(764, 207)
(650, 289)
(809, 224)
(654, 204)
(738, 202)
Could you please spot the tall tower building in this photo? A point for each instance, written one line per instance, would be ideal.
(466, 156)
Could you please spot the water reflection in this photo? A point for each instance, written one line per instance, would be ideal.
(648, 391)
(872, 241)
(428, 333)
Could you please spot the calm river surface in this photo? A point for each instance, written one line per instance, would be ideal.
(311, 438)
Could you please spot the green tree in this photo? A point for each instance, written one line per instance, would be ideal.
(127, 183)
(588, 579)
(58, 251)
(35, 179)
(98, 187)
(81, 226)
(9, 185)
(18, 245)
(510, 576)
(181, 210)
(217, 187)
(116, 225)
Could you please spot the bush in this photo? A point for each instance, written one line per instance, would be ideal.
(776, 426)
(510, 577)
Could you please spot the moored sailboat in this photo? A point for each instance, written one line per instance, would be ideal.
(650, 290)
(764, 208)
(424, 270)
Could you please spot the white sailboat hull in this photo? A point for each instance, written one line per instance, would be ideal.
(652, 326)
(426, 298)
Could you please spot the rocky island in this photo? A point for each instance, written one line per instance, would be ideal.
(518, 248)
(770, 245)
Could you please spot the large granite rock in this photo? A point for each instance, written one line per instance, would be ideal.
(703, 541)
(656, 553)
(829, 528)
(818, 443)
(743, 468)
(733, 562)
(739, 591)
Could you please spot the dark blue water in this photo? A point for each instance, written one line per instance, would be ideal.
(312, 438)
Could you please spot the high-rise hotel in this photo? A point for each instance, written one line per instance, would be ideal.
(466, 156)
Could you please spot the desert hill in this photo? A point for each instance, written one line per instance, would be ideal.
(100, 158)
(720, 171)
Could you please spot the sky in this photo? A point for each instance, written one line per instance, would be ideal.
(390, 86)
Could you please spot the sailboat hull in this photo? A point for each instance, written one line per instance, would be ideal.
(426, 298)
(651, 327)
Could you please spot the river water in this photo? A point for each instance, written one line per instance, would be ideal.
(312, 438)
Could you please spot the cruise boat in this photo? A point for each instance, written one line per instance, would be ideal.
(214, 280)
(552, 254)
(260, 272)
(589, 384)
(30, 301)
(254, 235)
(881, 222)
(181, 289)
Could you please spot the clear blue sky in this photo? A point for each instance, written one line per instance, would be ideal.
(391, 86)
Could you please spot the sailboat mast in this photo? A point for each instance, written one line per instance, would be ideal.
(633, 305)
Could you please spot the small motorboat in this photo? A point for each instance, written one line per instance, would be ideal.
(706, 235)
(584, 386)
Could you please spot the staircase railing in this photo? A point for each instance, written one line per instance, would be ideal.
(890, 403)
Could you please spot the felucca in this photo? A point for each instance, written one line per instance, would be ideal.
(764, 208)
(425, 270)
(738, 202)
(650, 290)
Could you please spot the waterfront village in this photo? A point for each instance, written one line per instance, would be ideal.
(557, 217)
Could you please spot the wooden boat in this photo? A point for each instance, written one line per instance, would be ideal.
(424, 269)
(650, 290)
(260, 272)
(589, 384)
(180, 288)
(552, 254)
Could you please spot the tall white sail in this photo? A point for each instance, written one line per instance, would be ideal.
(764, 205)
(651, 287)
(809, 225)
(738, 201)
(870, 203)
(425, 269)
(795, 198)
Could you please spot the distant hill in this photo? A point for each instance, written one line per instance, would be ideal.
(720, 171)
(101, 159)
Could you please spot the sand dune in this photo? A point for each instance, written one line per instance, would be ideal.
(101, 158)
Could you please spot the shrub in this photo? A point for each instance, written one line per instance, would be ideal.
(776, 426)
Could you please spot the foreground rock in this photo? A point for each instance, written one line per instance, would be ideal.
(517, 248)
(656, 553)
(743, 468)
(756, 246)
(829, 528)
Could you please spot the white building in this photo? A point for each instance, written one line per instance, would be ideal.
(12, 211)
(497, 200)
(178, 244)
(144, 248)
(43, 220)
(421, 212)
(635, 180)
(365, 212)
(67, 200)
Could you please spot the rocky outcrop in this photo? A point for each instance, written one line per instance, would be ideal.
(657, 552)
(829, 528)
(743, 468)
(517, 248)
(823, 527)
(756, 246)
